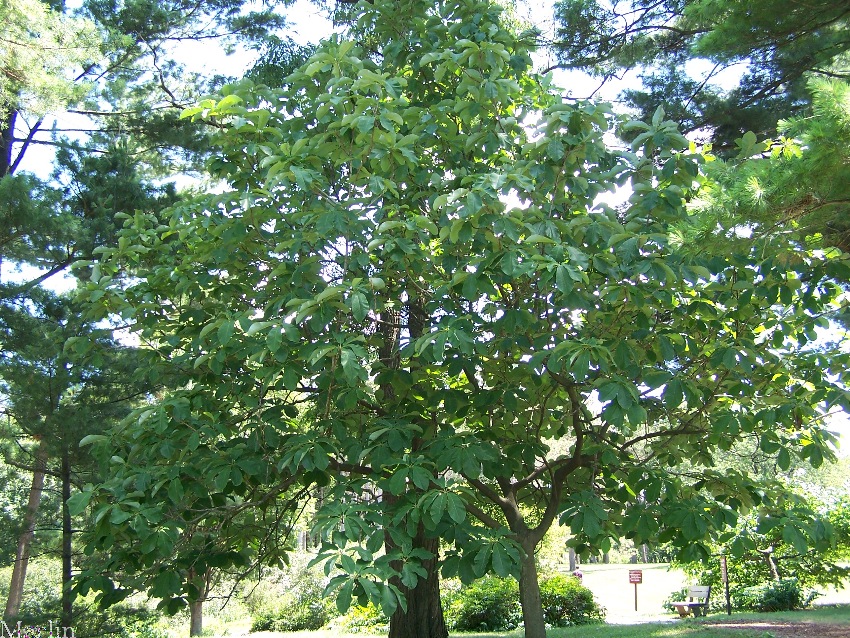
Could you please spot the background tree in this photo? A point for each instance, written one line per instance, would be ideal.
(794, 184)
(364, 295)
(777, 45)
(112, 70)
(56, 398)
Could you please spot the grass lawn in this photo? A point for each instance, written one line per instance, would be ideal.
(821, 622)
(831, 621)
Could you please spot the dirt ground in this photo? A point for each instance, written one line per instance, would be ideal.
(791, 629)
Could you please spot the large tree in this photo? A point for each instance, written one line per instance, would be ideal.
(411, 293)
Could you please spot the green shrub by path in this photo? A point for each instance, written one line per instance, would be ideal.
(303, 606)
(566, 602)
(360, 619)
(492, 604)
(488, 604)
(778, 595)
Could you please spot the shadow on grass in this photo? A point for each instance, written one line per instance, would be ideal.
(710, 627)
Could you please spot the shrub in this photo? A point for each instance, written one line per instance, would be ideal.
(679, 595)
(777, 595)
(492, 604)
(368, 619)
(566, 602)
(488, 604)
(303, 607)
(119, 621)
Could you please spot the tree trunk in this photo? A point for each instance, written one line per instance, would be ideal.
(7, 134)
(572, 554)
(22, 556)
(196, 617)
(67, 531)
(424, 615)
(529, 594)
(771, 563)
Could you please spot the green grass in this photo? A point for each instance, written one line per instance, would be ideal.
(835, 614)
(650, 630)
(698, 628)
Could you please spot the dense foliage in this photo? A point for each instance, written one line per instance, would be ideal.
(301, 605)
(406, 294)
(779, 595)
(410, 287)
(567, 603)
(488, 604)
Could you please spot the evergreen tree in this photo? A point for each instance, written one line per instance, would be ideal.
(777, 43)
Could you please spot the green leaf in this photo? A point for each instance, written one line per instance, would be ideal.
(482, 560)
(398, 482)
(78, 502)
(273, 340)
(343, 597)
(389, 601)
(456, 507)
(91, 439)
(501, 561)
(673, 394)
(225, 332)
(783, 459)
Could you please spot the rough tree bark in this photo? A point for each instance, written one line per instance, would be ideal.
(22, 555)
(424, 615)
(7, 131)
(67, 534)
(529, 592)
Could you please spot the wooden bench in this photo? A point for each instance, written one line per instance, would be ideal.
(697, 603)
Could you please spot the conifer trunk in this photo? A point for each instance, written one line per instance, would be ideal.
(67, 532)
(22, 555)
(7, 135)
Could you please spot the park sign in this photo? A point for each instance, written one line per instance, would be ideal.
(636, 577)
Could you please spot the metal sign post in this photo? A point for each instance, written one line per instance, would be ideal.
(636, 577)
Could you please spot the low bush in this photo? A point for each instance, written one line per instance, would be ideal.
(676, 596)
(777, 595)
(488, 604)
(566, 602)
(492, 604)
(359, 619)
(302, 606)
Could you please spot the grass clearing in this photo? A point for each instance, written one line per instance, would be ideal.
(765, 626)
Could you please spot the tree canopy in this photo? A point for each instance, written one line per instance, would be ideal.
(410, 292)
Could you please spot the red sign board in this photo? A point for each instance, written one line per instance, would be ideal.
(635, 576)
